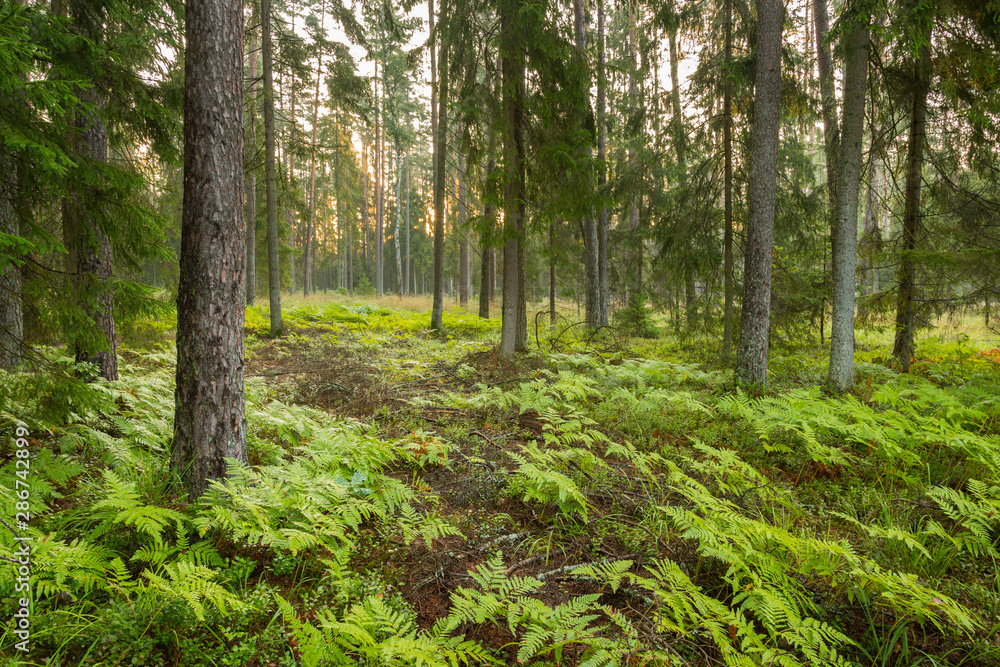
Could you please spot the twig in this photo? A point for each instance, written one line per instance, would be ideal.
(567, 568)
(11, 528)
(484, 437)
(527, 561)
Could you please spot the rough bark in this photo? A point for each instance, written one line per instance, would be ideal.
(89, 258)
(602, 218)
(588, 222)
(828, 99)
(11, 312)
(270, 177)
(307, 247)
(409, 226)
(512, 100)
(441, 141)
(903, 347)
(727, 148)
(751, 358)
(209, 418)
(399, 213)
(845, 239)
(379, 187)
(251, 138)
(485, 268)
(463, 238)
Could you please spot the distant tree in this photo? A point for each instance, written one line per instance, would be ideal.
(210, 418)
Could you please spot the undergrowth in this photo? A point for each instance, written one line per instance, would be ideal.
(588, 508)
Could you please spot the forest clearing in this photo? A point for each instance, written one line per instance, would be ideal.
(408, 499)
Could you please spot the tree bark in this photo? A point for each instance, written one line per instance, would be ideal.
(209, 418)
(727, 148)
(11, 311)
(512, 101)
(485, 268)
(441, 141)
(89, 260)
(589, 222)
(409, 226)
(903, 346)
(828, 99)
(602, 219)
(379, 187)
(251, 215)
(845, 239)
(463, 238)
(307, 249)
(751, 358)
(270, 178)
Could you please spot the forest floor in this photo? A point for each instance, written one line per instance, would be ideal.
(412, 499)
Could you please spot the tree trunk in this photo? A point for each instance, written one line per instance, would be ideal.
(441, 148)
(869, 227)
(828, 98)
(11, 312)
(290, 172)
(602, 219)
(270, 178)
(89, 259)
(251, 216)
(92, 249)
(409, 226)
(589, 222)
(751, 358)
(512, 101)
(845, 239)
(463, 238)
(552, 273)
(399, 214)
(307, 248)
(903, 347)
(364, 206)
(485, 268)
(727, 148)
(379, 200)
(209, 418)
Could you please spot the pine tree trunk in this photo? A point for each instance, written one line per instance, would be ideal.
(364, 206)
(292, 186)
(399, 215)
(602, 219)
(828, 99)
(408, 289)
(307, 249)
(379, 200)
(552, 273)
(209, 419)
(903, 347)
(845, 239)
(11, 312)
(589, 222)
(270, 178)
(870, 224)
(727, 237)
(512, 100)
(441, 148)
(92, 249)
(251, 215)
(751, 358)
(463, 238)
(486, 266)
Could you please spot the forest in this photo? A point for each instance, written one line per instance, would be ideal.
(531, 332)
